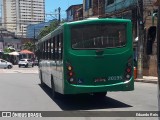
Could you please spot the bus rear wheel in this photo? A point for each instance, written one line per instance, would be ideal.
(100, 94)
(54, 93)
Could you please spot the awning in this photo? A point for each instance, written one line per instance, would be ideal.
(14, 53)
(26, 52)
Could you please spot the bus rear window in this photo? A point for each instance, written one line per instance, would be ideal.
(100, 36)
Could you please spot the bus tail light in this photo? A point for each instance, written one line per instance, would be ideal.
(69, 68)
(129, 69)
(70, 74)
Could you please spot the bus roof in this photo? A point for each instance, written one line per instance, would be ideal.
(101, 19)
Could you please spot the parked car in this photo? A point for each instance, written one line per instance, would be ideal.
(36, 63)
(5, 64)
(25, 63)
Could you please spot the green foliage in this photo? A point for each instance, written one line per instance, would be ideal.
(48, 29)
(7, 50)
(29, 46)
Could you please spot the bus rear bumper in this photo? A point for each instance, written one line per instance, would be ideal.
(77, 89)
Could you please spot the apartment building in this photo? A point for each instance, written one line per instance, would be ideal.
(93, 8)
(74, 12)
(18, 14)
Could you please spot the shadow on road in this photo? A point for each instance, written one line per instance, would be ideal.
(84, 101)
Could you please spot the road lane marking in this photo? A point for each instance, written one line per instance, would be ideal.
(17, 71)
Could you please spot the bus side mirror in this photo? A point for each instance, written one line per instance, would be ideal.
(150, 39)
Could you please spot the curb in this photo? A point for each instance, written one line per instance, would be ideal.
(146, 81)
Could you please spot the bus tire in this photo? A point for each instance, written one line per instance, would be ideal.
(54, 93)
(100, 94)
(41, 79)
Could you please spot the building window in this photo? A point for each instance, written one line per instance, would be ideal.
(88, 4)
(110, 2)
(71, 12)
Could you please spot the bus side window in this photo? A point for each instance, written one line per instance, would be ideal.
(46, 50)
(61, 46)
(50, 50)
(57, 52)
(41, 51)
(53, 54)
(43, 56)
(55, 48)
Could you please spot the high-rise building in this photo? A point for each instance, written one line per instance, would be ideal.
(17, 14)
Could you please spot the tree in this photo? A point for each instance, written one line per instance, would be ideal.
(48, 29)
(29, 46)
(8, 50)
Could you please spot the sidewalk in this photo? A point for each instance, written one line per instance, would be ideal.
(147, 79)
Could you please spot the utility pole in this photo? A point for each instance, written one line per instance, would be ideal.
(140, 37)
(59, 14)
(34, 39)
(98, 8)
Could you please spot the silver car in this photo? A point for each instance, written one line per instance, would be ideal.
(25, 63)
(5, 64)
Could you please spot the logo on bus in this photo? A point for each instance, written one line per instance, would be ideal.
(100, 80)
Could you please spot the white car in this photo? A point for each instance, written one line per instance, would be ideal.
(25, 63)
(5, 64)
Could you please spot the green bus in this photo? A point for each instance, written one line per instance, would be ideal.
(88, 56)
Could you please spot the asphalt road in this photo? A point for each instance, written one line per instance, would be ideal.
(21, 91)
(22, 69)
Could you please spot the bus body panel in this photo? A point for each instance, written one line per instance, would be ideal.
(50, 69)
(45, 73)
(57, 73)
(77, 89)
(109, 67)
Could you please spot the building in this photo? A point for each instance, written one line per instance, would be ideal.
(17, 14)
(93, 8)
(89, 8)
(128, 9)
(74, 12)
(8, 39)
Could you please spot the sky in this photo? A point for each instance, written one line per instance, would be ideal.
(52, 5)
